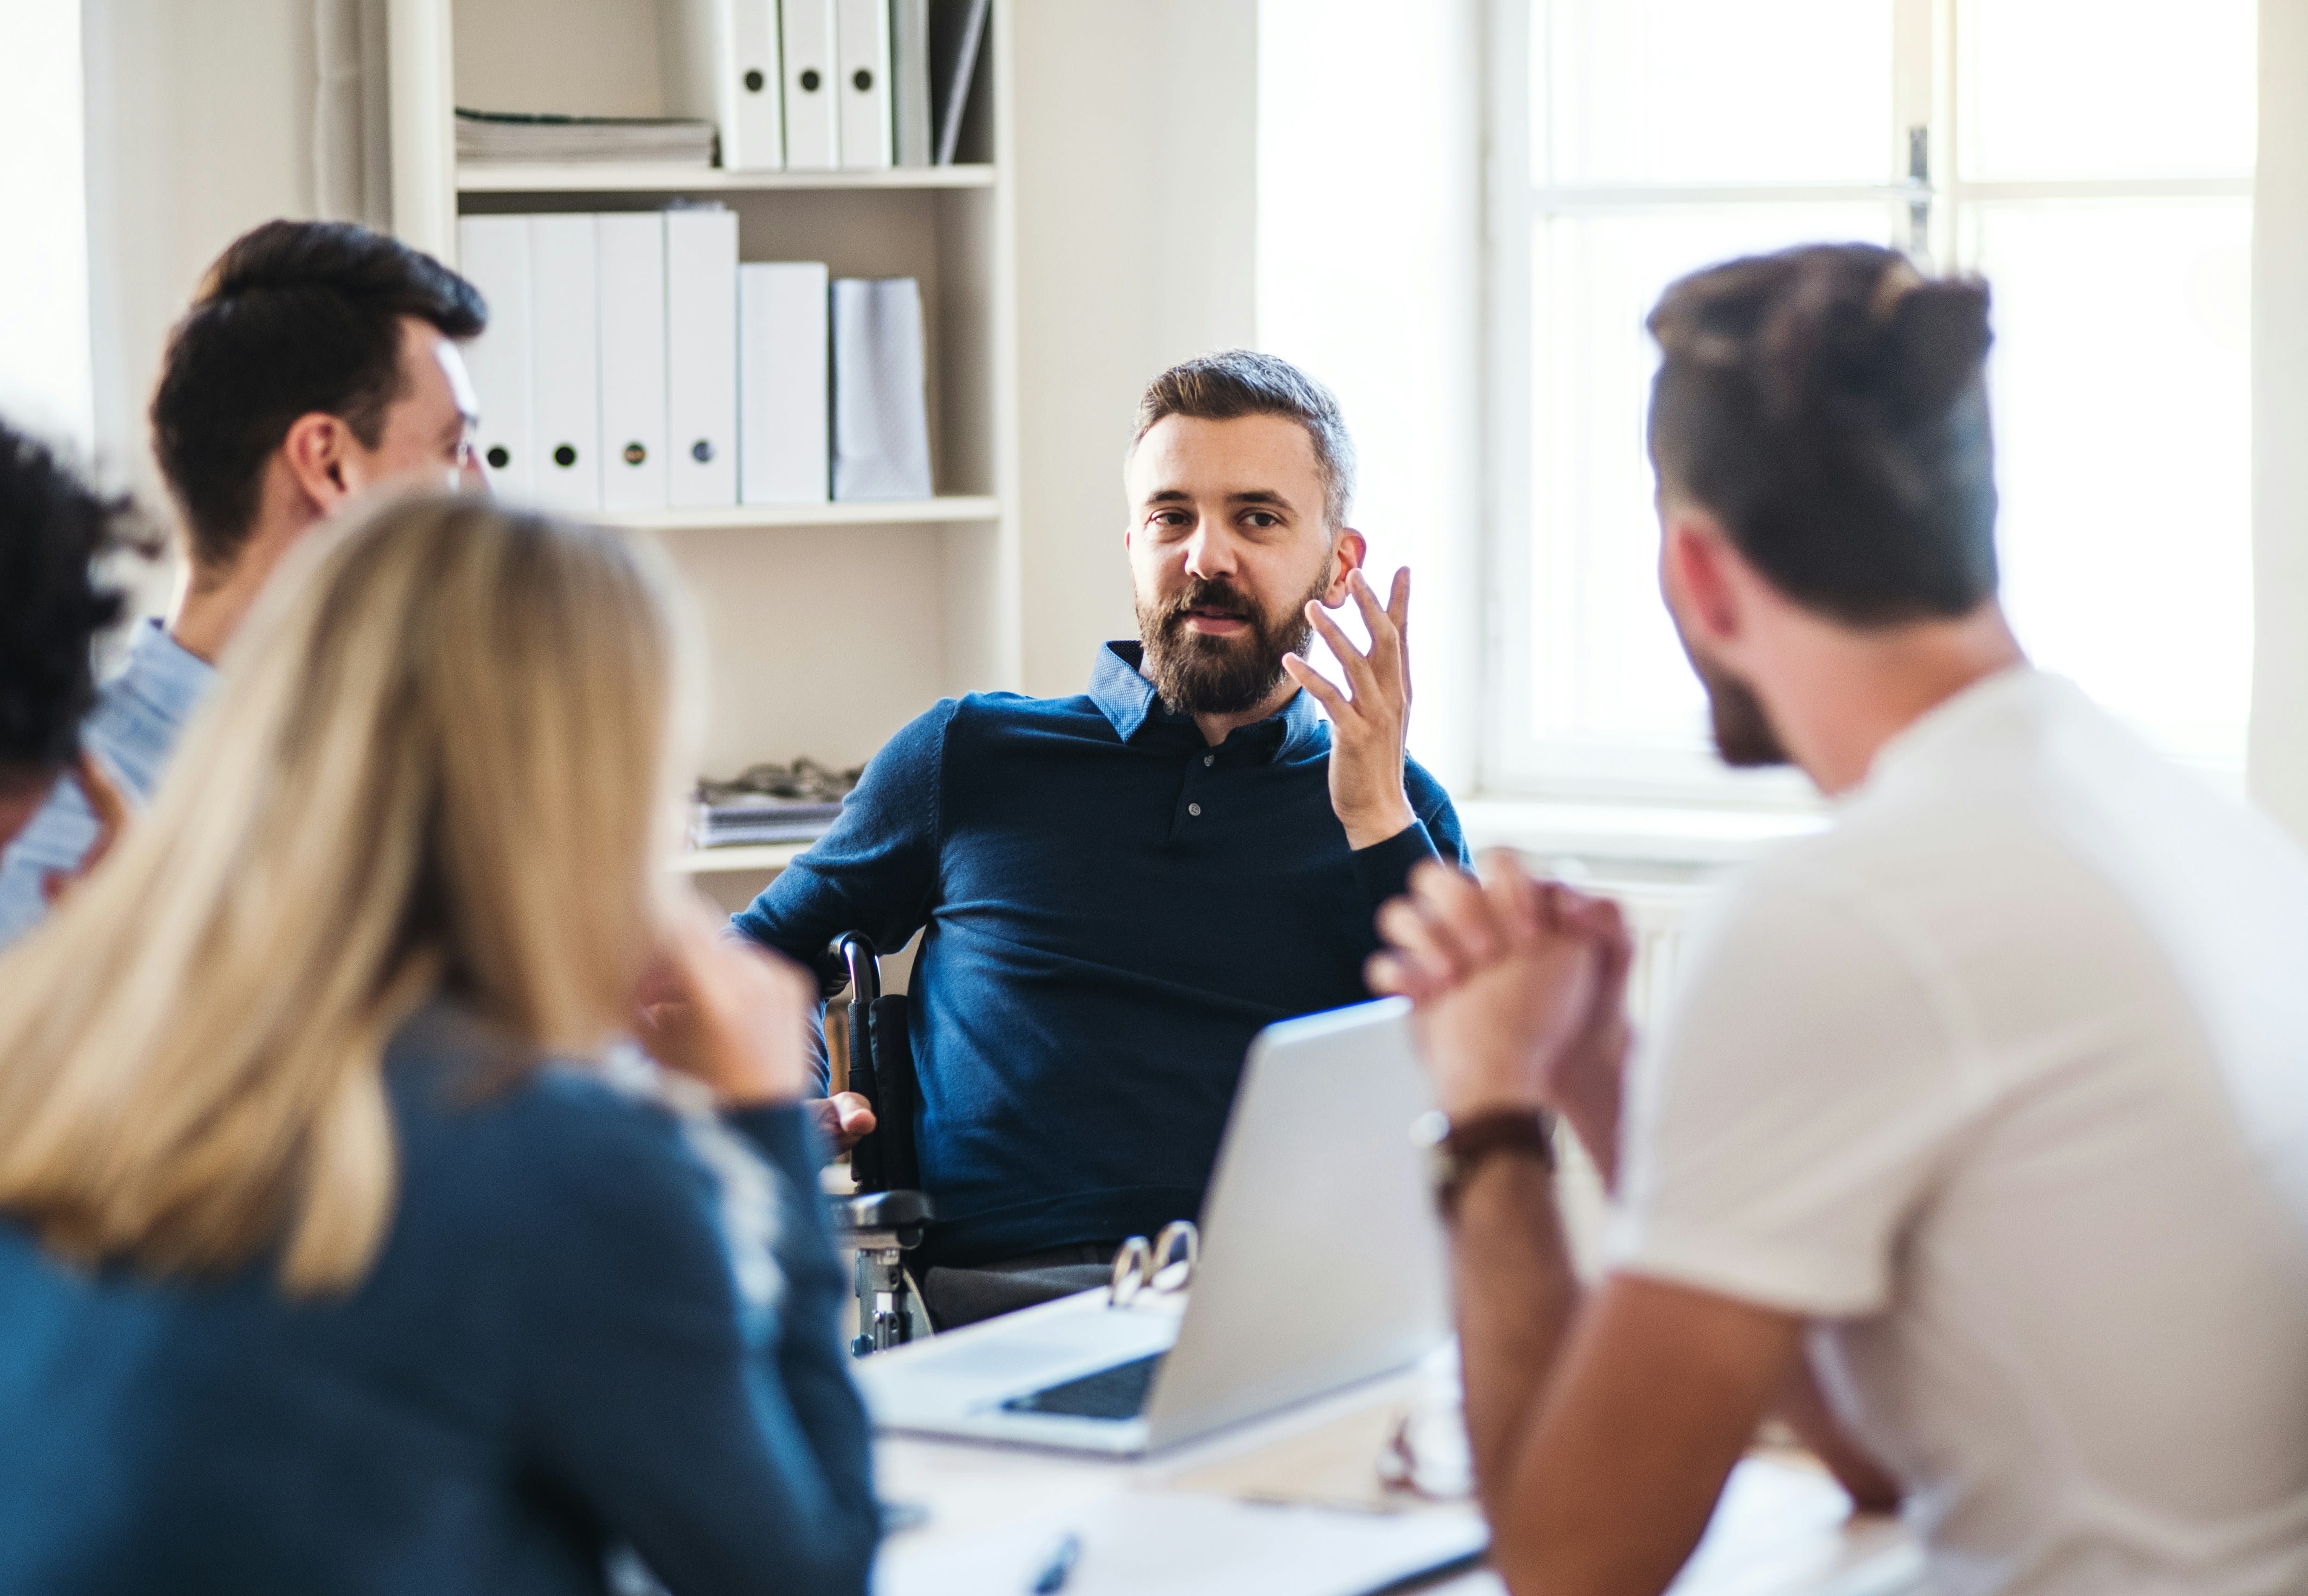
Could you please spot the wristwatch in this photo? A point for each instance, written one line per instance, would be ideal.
(1456, 1149)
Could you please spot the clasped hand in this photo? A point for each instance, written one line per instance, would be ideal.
(1519, 993)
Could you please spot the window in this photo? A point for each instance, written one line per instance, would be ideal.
(2091, 157)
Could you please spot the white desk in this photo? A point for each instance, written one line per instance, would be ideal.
(1783, 1528)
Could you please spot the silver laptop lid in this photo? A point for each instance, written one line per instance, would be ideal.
(1323, 1262)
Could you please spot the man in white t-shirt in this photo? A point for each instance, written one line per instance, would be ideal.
(1992, 1098)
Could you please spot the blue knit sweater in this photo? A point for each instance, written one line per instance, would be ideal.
(602, 1328)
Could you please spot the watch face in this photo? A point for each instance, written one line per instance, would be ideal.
(1431, 1131)
(1431, 1134)
(1441, 1166)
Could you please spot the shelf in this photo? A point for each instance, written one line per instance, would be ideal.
(506, 177)
(731, 861)
(846, 512)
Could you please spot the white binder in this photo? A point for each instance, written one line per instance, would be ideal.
(701, 332)
(723, 63)
(565, 365)
(862, 45)
(782, 389)
(880, 425)
(813, 96)
(630, 247)
(492, 253)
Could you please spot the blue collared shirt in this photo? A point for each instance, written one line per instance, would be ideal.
(1110, 910)
(134, 728)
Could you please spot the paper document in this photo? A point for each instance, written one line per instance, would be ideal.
(1149, 1544)
(1785, 1526)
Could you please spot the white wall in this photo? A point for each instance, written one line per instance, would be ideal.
(1370, 276)
(199, 126)
(2278, 758)
(1137, 222)
(44, 319)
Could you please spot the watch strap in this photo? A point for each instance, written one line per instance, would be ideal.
(1473, 1141)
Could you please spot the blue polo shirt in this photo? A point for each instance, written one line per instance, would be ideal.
(1110, 910)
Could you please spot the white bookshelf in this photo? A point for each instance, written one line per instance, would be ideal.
(541, 178)
(950, 510)
(827, 626)
(760, 858)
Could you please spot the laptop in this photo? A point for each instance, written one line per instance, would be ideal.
(1323, 1264)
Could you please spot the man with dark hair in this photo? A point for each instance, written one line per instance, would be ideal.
(1115, 891)
(1984, 1107)
(318, 360)
(54, 534)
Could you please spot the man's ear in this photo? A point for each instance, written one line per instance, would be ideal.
(1696, 577)
(314, 451)
(1347, 552)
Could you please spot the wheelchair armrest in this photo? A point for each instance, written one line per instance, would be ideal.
(903, 1214)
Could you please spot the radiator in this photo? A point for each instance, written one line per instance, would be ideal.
(1656, 913)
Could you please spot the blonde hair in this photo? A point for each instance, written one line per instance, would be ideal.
(435, 758)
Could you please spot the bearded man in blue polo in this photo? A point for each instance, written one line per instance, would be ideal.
(1117, 890)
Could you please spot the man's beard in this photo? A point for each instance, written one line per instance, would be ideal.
(1744, 735)
(1197, 674)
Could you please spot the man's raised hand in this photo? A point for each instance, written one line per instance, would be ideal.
(1368, 729)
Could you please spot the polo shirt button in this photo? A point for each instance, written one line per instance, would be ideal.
(1193, 809)
(1210, 759)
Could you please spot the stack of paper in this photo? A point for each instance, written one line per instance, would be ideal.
(738, 821)
(503, 135)
(1151, 1545)
(769, 803)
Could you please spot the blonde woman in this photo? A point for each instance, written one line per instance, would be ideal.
(344, 1246)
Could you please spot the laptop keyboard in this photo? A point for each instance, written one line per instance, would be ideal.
(1116, 1392)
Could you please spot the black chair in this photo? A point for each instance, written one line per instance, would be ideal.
(887, 1216)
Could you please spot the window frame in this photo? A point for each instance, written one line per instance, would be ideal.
(1514, 762)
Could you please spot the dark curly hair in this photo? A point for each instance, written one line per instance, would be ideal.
(293, 317)
(55, 532)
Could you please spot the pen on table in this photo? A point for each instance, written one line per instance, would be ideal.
(1057, 1565)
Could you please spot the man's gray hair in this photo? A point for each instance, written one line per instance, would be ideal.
(1234, 383)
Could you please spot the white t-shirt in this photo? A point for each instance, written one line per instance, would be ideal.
(2003, 1082)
